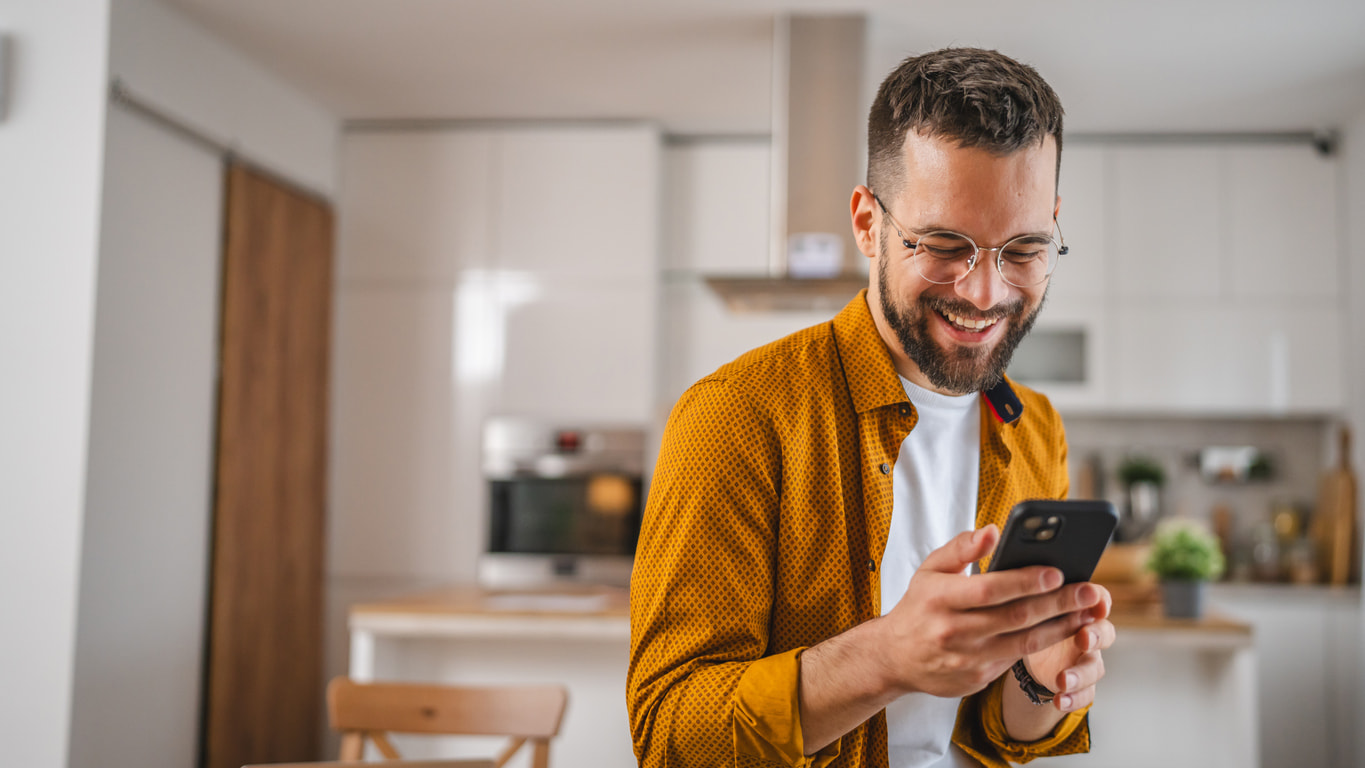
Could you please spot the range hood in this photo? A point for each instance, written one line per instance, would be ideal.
(818, 121)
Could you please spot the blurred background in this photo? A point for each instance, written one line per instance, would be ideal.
(273, 267)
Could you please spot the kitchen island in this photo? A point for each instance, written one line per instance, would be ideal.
(1177, 692)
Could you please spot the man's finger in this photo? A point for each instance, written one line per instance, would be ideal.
(1001, 587)
(1096, 637)
(1044, 635)
(1070, 702)
(1085, 673)
(963, 550)
(1037, 600)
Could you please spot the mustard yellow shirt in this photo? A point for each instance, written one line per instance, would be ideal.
(767, 516)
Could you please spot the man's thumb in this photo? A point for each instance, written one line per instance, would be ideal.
(963, 550)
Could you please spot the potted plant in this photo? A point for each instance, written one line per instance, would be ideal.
(1184, 556)
(1142, 478)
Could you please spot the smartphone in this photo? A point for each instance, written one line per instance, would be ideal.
(1067, 535)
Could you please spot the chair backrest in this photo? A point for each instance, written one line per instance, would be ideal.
(363, 711)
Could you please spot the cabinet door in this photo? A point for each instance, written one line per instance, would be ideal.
(1282, 223)
(1167, 213)
(579, 202)
(576, 286)
(1250, 359)
(417, 205)
(574, 351)
(716, 205)
(1082, 274)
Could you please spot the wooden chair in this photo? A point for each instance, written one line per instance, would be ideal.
(363, 711)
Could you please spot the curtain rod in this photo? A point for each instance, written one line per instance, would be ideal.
(228, 150)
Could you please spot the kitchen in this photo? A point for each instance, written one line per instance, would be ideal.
(401, 519)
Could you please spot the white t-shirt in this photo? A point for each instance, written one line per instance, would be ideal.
(934, 488)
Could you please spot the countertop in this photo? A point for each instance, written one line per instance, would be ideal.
(604, 613)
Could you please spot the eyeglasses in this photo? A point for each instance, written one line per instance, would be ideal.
(945, 257)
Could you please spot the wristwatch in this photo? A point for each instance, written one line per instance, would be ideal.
(1035, 691)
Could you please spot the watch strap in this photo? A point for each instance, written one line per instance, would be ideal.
(1036, 692)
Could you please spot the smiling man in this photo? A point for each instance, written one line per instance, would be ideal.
(801, 593)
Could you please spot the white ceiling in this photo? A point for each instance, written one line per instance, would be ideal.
(703, 66)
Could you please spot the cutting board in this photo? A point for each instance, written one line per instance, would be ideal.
(1335, 523)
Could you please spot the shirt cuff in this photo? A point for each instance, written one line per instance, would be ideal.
(767, 713)
(1070, 736)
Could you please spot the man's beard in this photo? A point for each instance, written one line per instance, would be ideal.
(961, 369)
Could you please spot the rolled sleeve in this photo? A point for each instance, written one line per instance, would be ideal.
(767, 722)
(980, 731)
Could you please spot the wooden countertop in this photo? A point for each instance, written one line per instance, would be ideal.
(603, 613)
(560, 612)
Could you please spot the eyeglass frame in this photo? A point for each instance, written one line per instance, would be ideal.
(1062, 248)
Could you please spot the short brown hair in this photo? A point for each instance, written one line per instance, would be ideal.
(977, 97)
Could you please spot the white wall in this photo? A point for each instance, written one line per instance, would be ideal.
(1353, 200)
(144, 558)
(51, 147)
(166, 58)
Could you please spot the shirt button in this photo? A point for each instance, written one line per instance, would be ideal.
(886, 468)
(905, 409)
(871, 566)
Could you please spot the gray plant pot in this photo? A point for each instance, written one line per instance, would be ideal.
(1183, 599)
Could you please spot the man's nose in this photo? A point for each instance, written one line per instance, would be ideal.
(983, 286)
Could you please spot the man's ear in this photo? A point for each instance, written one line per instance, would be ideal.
(1057, 209)
(865, 214)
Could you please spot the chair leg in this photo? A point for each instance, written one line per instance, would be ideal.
(540, 753)
(352, 746)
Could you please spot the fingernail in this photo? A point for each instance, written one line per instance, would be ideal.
(1069, 681)
(1065, 702)
(1052, 579)
(1088, 595)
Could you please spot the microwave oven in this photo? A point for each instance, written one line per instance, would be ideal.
(564, 503)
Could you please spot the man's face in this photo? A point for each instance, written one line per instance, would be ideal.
(958, 337)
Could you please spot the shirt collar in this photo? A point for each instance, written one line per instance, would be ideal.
(870, 373)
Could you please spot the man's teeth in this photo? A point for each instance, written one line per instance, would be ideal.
(970, 324)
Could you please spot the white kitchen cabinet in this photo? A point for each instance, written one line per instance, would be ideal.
(579, 202)
(1227, 359)
(1167, 213)
(576, 351)
(1307, 654)
(1082, 274)
(415, 206)
(1282, 223)
(577, 280)
(717, 197)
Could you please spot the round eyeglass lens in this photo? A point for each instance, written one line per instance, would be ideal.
(1028, 261)
(944, 257)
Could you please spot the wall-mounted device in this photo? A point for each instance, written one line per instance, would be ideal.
(564, 503)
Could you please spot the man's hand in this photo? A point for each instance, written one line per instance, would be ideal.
(952, 635)
(1073, 666)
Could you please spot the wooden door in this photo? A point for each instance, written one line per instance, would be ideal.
(264, 671)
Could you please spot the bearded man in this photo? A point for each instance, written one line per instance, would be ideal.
(801, 593)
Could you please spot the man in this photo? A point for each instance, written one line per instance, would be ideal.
(801, 592)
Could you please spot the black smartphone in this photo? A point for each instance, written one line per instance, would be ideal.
(1067, 535)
